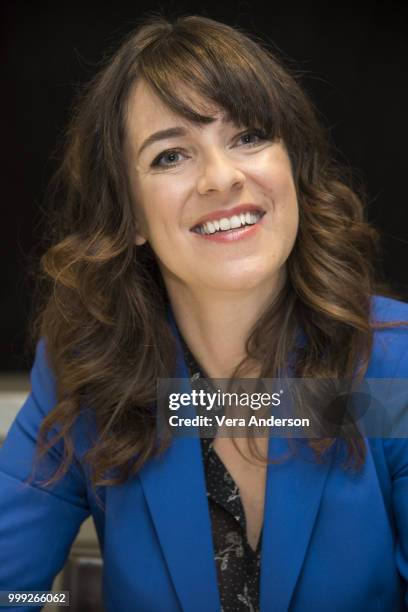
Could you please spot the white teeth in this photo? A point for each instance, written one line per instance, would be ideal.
(235, 222)
(225, 224)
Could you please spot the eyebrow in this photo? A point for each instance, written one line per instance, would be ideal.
(162, 135)
(172, 132)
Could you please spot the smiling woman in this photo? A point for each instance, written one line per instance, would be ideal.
(202, 230)
(189, 210)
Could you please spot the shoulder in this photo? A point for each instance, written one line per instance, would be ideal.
(43, 399)
(388, 309)
(389, 360)
(389, 357)
(42, 377)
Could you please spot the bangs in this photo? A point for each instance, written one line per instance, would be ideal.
(198, 74)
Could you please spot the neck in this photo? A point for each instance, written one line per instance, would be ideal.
(216, 325)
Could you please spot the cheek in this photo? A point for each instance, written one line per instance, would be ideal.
(279, 181)
(278, 188)
(162, 204)
(148, 214)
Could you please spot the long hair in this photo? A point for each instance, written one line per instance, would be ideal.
(103, 314)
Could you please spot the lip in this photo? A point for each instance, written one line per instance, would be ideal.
(227, 212)
(233, 235)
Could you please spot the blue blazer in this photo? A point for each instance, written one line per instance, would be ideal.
(332, 540)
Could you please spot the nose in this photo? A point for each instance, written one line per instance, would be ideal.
(219, 174)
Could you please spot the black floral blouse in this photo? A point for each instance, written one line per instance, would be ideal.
(238, 565)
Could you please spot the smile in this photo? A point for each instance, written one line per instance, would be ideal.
(226, 224)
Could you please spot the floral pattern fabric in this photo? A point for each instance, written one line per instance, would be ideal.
(237, 564)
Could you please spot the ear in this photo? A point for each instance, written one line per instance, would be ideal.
(139, 240)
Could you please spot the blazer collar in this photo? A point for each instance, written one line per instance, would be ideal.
(175, 491)
(294, 490)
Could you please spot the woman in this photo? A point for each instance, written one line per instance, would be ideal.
(202, 229)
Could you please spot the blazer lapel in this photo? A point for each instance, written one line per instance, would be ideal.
(175, 491)
(293, 493)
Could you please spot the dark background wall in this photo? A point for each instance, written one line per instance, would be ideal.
(354, 68)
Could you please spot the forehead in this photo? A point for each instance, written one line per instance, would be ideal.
(146, 111)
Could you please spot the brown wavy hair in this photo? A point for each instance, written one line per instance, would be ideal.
(103, 313)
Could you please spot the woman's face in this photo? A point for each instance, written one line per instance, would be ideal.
(216, 202)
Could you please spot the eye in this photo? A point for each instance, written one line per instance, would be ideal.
(252, 137)
(167, 159)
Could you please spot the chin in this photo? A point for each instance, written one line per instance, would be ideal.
(241, 281)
